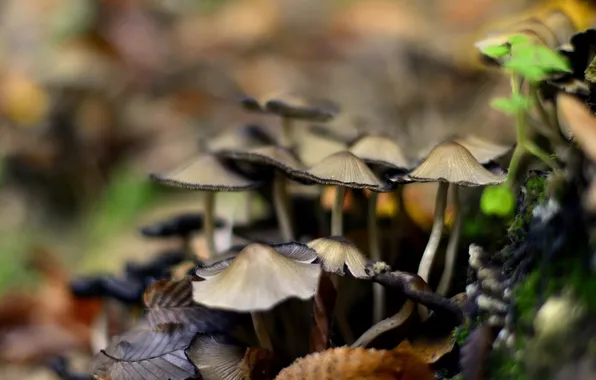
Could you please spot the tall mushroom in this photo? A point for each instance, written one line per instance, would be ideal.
(383, 153)
(257, 279)
(344, 170)
(290, 108)
(207, 174)
(448, 163)
(284, 162)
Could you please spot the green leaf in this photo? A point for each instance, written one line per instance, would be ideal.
(519, 39)
(495, 51)
(497, 200)
(551, 60)
(526, 68)
(511, 105)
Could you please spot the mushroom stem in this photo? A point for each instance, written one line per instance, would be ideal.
(337, 221)
(258, 323)
(209, 227)
(386, 324)
(375, 254)
(286, 137)
(342, 320)
(435, 235)
(397, 223)
(281, 206)
(452, 244)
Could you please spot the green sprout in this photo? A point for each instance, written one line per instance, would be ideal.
(498, 200)
(532, 63)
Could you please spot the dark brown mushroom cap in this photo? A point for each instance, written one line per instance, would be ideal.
(271, 155)
(337, 252)
(451, 162)
(259, 278)
(289, 106)
(180, 225)
(205, 173)
(380, 150)
(343, 169)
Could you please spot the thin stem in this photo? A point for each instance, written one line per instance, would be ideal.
(518, 153)
(287, 136)
(385, 325)
(452, 244)
(397, 222)
(280, 203)
(337, 219)
(375, 254)
(534, 149)
(551, 130)
(340, 315)
(209, 228)
(258, 323)
(435, 235)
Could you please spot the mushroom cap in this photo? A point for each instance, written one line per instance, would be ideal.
(575, 116)
(335, 252)
(257, 279)
(380, 150)
(343, 169)
(312, 147)
(451, 162)
(180, 225)
(240, 138)
(290, 106)
(483, 150)
(271, 155)
(205, 173)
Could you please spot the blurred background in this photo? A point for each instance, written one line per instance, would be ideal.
(96, 94)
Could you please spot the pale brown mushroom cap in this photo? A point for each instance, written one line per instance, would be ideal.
(575, 116)
(380, 150)
(451, 162)
(205, 173)
(336, 252)
(342, 169)
(312, 148)
(256, 280)
(483, 150)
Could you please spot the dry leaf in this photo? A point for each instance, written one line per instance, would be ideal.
(324, 302)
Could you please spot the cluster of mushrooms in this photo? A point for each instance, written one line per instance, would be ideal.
(200, 309)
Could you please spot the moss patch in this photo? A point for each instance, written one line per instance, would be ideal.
(534, 194)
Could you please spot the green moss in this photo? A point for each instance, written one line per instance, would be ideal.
(503, 364)
(461, 333)
(535, 187)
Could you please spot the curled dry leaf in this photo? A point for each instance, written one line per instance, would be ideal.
(358, 363)
(143, 354)
(170, 302)
(474, 352)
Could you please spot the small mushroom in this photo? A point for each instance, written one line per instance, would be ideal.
(285, 163)
(207, 174)
(337, 252)
(218, 357)
(483, 150)
(257, 279)
(344, 170)
(289, 107)
(181, 226)
(383, 152)
(447, 163)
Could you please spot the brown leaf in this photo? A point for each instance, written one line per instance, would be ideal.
(170, 302)
(358, 363)
(324, 302)
(143, 354)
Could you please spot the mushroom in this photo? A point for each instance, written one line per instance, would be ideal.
(289, 107)
(181, 226)
(257, 279)
(207, 174)
(384, 153)
(448, 162)
(337, 252)
(344, 170)
(285, 163)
